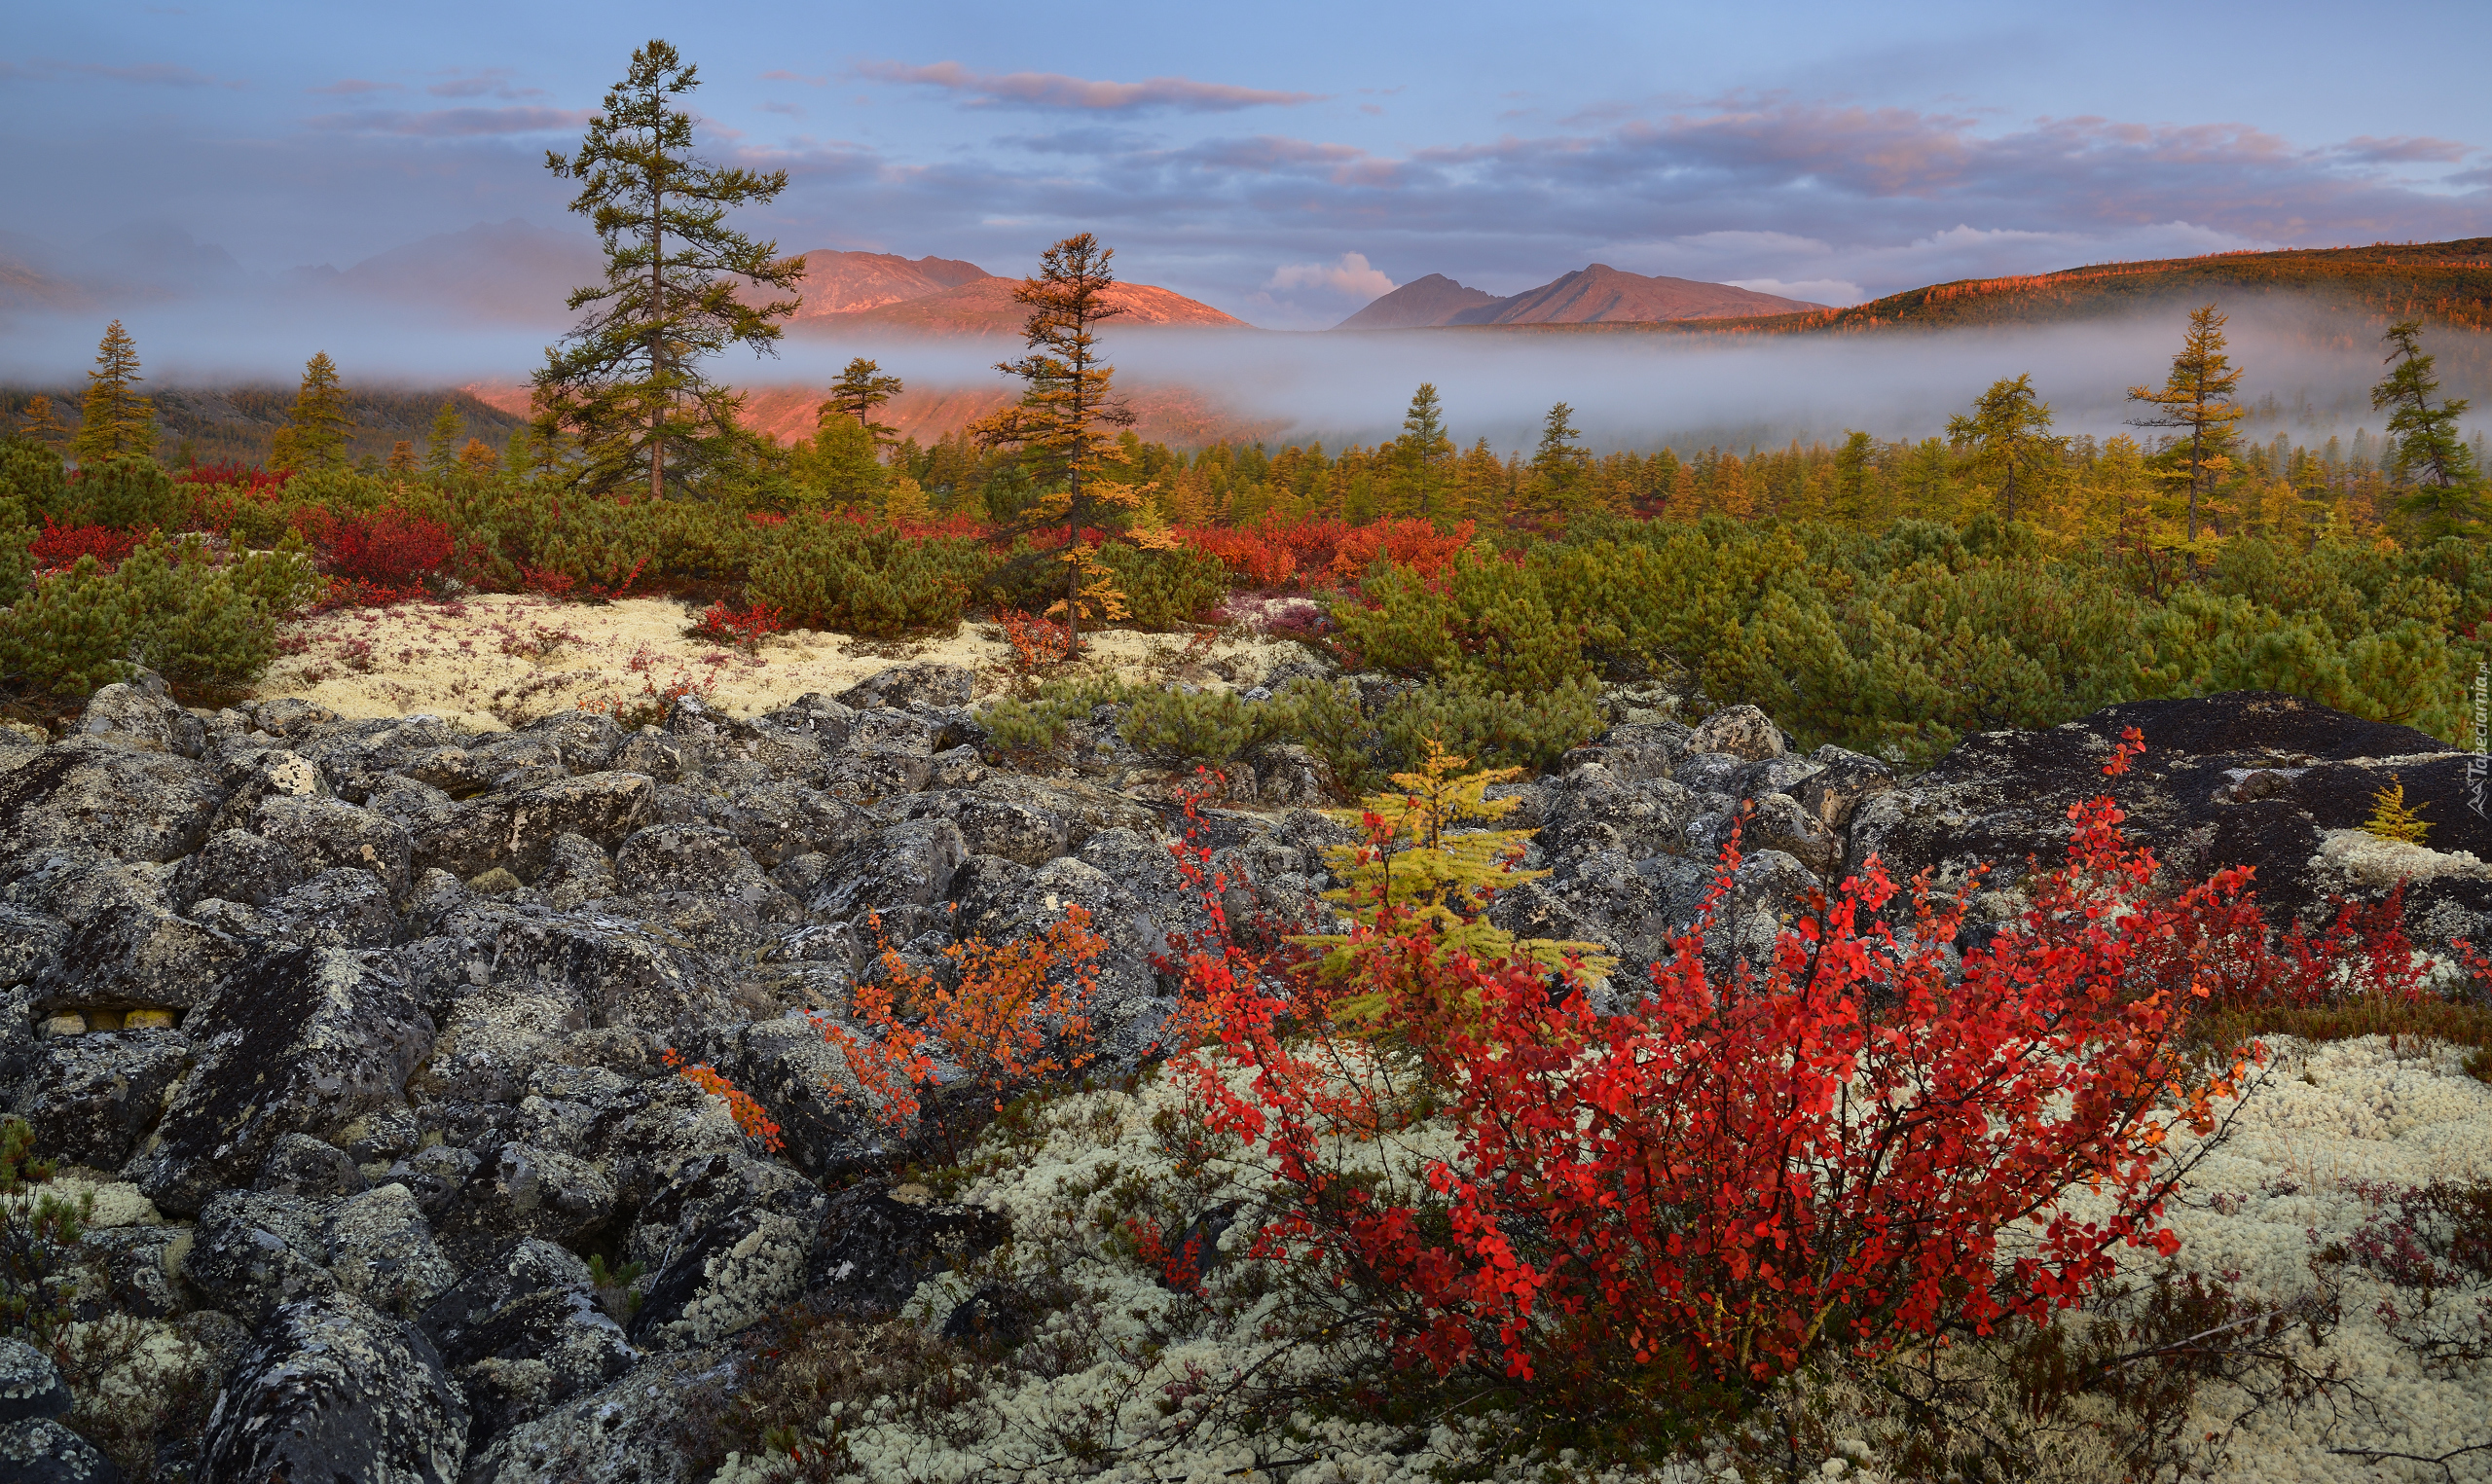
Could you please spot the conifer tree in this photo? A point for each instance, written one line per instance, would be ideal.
(1426, 449)
(441, 444)
(861, 389)
(1852, 466)
(1069, 402)
(113, 420)
(2446, 493)
(2197, 396)
(626, 383)
(314, 435)
(1559, 460)
(2009, 435)
(402, 456)
(41, 423)
(479, 459)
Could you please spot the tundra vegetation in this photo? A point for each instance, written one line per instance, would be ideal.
(1396, 1189)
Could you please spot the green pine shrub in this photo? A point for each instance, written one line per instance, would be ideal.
(1164, 588)
(836, 574)
(171, 606)
(129, 492)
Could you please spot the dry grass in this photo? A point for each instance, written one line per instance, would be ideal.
(2468, 1024)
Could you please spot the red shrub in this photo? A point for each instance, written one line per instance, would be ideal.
(1412, 543)
(249, 477)
(746, 630)
(1755, 1163)
(386, 551)
(60, 546)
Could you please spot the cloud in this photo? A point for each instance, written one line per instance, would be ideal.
(1350, 274)
(1056, 89)
(2402, 150)
(145, 74)
(783, 75)
(790, 109)
(355, 88)
(484, 83)
(453, 122)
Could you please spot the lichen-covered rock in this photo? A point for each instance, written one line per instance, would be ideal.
(253, 1253)
(382, 1250)
(628, 1432)
(325, 834)
(1842, 781)
(89, 1099)
(251, 774)
(298, 1041)
(909, 685)
(44, 1452)
(141, 712)
(342, 907)
(524, 1190)
(299, 1164)
(1741, 731)
(723, 1244)
(130, 950)
(522, 1333)
(127, 804)
(30, 1384)
(333, 1390)
(878, 1240)
(1776, 821)
(1594, 809)
(238, 866)
(899, 873)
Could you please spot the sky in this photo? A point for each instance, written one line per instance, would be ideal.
(1285, 162)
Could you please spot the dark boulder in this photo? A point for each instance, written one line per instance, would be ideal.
(300, 1042)
(92, 1098)
(878, 1240)
(332, 1391)
(522, 1333)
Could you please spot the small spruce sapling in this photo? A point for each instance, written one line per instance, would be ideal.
(2392, 819)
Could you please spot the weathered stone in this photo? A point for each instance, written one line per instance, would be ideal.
(333, 1390)
(141, 712)
(30, 1384)
(526, 1191)
(878, 1242)
(1741, 731)
(92, 1098)
(344, 907)
(254, 1251)
(44, 1452)
(899, 872)
(1776, 821)
(522, 1333)
(380, 1249)
(238, 866)
(627, 1433)
(299, 1164)
(298, 1041)
(126, 804)
(723, 1244)
(908, 685)
(1843, 780)
(326, 834)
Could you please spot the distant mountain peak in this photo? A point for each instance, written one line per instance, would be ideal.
(881, 291)
(1594, 293)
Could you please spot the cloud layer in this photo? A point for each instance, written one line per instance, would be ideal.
(1054, 89)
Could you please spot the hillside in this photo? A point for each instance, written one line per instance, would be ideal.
(236, 424)
(984, 307)
(2438, 282)
(845, 282)
(1598, 294)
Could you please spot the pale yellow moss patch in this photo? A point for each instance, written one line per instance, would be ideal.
(491, 662)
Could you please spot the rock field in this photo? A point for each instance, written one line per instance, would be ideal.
(354, 1028)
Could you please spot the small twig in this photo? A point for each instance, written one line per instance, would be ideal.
(2373, 1457)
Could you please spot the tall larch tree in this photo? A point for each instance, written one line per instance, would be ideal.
(1559, 460)
(2196, 400)
(2445, 486)
(314, 435)
(625, 384)
(41, 423)
(2008, 440)
(861, 389)
(1068, 402)
(1426, 450)
(441, 442)
(113, 419)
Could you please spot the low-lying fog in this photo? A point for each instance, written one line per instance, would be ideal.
(1629, 388)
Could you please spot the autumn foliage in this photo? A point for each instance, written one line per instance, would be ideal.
(1004, 1013)
(1842, 1146)
(1317, 552)
(751, 1117)
(60, 547)
(385, 554)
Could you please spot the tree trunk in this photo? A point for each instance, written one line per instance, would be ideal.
(657, 334)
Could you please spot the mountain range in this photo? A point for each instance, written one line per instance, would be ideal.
(1598, 294)
(844, 292)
